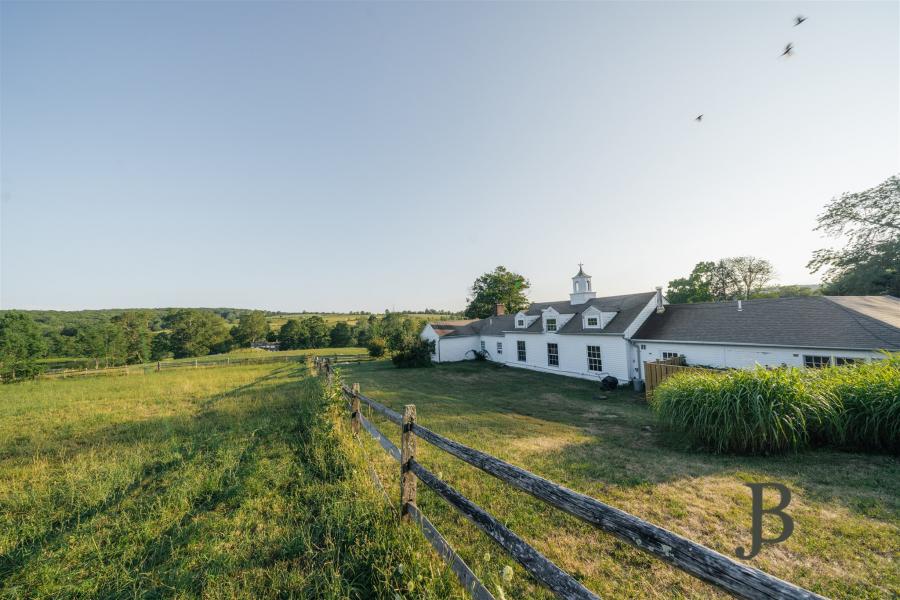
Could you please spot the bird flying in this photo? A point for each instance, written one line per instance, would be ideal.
(699, 118)
(788, 50)
(798, 19)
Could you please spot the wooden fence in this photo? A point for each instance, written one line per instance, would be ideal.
(737, 579)
(658, 370)
(143, 368)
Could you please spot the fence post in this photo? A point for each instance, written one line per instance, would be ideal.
(407, 453)
(354, 407)
(158, 366)
(195, 363)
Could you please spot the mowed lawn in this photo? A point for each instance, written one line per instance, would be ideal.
(232, 482)
(846, 506)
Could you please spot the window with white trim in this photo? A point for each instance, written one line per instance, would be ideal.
(520, 347)
(482, 345)
(593, 321)
(845, 360)
(552, 355)
(499, 347)
(595, 363)
(520, 323)
(666, 355)
(551, 324)
(816, 362)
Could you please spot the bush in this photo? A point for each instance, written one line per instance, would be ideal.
(741, 411)
(376, 347)
(775, 410)
(869, 394)
(414, 353)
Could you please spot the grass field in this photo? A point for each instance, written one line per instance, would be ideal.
(213, 483)
(276, 321)
(846, 506)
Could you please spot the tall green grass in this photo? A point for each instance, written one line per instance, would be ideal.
(776, 410)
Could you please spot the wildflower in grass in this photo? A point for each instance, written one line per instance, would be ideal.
(486, 557)
(411, 585)
(400, 569)
(500, 594)
(507, 573)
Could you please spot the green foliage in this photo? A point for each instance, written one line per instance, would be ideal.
(134, 327)
(777, 410)
(316, 332)
(869, 396)
(376, 347)
(197, 333)
(291, 335)
(414, 353)
(104, 342)
(868, 262)
(20, 347)
(252, 327)
(500, 286)
(341, 335)
(160, 347)
(724, 279)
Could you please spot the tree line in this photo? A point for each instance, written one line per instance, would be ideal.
(138, 336)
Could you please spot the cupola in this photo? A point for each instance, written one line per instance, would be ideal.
(581, 288)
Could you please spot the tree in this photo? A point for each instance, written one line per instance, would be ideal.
(197, 333)
(159, 347)
(752, 273)
(500, 286)
(376, 347)
(415, 352)
(21, 344)
(103, 341)
(693, 288)
(316, 332)
(724, 279)
(252, 327)
(291, 336)
(135, 330)
(340, 335)
(869, 221)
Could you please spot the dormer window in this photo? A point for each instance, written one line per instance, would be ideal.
(593, 322)
(551, 324)
(520, 323)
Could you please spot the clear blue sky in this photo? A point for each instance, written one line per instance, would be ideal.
(336, 156)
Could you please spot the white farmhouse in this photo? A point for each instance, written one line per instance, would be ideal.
(591, 337)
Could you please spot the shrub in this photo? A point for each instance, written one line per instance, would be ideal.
(414, 353)
(376, 347)
(869, 395)
(753, 412)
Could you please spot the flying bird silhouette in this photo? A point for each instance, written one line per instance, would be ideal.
(699, 118)
(798, 19)
(788, 50)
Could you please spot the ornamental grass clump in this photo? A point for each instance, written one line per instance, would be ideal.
(869, 396)
(751, 412)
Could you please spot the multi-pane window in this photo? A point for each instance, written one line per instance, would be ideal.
(816, 362)
(520, 347)
(844, 360)
(593, 321)
(551, 324)
(553, 355)
(670, 355)
(520, 323)
(594, 361)
(499, 347)
(482, 345)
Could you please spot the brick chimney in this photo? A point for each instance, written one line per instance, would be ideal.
(499, 309)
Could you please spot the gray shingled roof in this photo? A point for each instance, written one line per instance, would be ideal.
(807, 322)
(627, 306)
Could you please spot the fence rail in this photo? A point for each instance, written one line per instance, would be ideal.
(737, 579)
(198, 363)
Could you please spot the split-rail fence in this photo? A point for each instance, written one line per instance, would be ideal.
(734, 578)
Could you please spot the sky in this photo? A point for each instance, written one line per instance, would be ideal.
(363, 156)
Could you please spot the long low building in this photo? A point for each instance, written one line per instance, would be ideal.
(591, 337)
